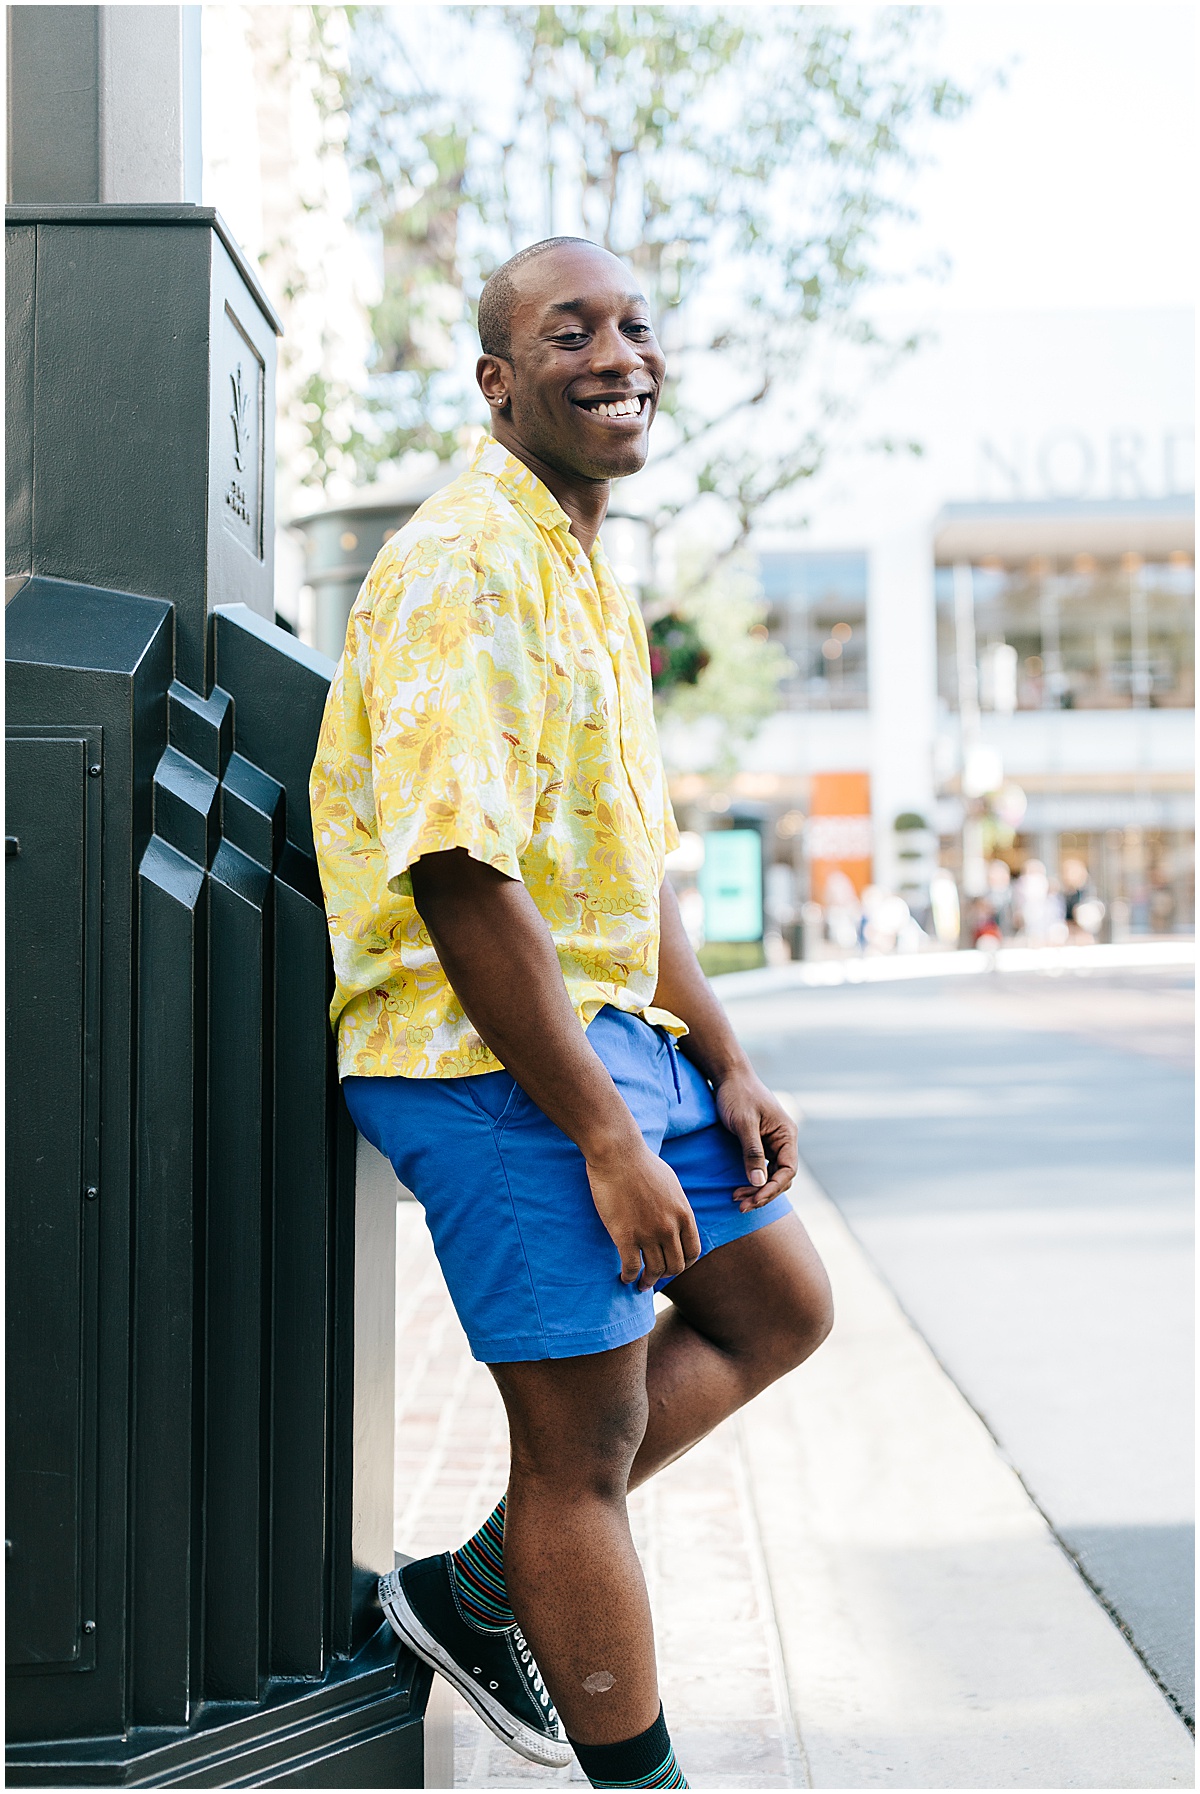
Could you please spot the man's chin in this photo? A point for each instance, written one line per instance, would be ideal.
(623, 459)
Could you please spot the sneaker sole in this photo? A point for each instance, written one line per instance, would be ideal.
(498, 1719)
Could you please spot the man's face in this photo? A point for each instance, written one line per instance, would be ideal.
(586, 370)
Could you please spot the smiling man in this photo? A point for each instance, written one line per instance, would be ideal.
(523, 1028)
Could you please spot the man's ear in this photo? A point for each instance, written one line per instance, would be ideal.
(494, 375)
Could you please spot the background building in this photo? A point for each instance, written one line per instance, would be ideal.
(1056, 476)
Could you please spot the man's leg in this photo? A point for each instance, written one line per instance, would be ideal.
(571, 1571)
(748, 1312)
(584, 1430)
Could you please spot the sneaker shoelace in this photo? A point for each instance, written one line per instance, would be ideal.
(534, 1674)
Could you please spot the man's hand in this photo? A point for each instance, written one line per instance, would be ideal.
(642, 1204)
(767, 1134)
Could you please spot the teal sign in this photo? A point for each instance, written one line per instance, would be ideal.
(731, 885)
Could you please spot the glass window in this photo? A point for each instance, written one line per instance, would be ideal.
(1088, 634)
(818, 611)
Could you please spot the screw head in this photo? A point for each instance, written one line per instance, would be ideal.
(89, 1625)
(91, 1192)
(93, 772)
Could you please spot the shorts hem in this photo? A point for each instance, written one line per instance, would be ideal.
(521, 1349)
(740, 1224)
(737, 1228)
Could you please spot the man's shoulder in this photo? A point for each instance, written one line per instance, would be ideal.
(469, 526)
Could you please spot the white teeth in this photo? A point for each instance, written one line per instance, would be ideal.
(620, 408)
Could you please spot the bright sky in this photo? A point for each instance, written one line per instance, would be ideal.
(1074, 185)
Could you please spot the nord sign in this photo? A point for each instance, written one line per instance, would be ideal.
(1072, 464)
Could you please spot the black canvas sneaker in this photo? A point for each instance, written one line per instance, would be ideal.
(493, 1671)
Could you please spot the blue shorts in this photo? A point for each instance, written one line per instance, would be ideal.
(530, 1267)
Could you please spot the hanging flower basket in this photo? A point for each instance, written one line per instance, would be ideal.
(677, 654)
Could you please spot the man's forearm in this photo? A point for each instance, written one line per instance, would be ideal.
(683, 989)
(498, 954)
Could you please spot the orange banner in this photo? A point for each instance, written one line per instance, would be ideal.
(838, 832)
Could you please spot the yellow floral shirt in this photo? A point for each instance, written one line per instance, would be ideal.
(494, 694)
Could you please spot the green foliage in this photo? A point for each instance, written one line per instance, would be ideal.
(909, 820)
(741, 159)
(739, 686)
(677, 652)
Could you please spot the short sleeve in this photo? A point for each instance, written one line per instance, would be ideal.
(452, 664)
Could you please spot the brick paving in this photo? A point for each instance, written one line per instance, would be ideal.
(721, 1669)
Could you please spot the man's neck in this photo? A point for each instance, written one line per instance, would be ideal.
(585, 501)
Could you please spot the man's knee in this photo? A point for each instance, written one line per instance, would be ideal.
(791, 1330)
(583, 1438)
(812, 1323)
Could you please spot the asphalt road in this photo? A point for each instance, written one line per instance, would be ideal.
(1015, 1154)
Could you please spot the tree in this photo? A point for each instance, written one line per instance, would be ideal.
(741, 159)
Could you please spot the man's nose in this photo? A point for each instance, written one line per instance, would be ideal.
(613, 353)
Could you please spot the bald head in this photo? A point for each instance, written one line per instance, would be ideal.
(499, 298)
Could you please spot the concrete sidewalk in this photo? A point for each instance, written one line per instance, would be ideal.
(850, 1587)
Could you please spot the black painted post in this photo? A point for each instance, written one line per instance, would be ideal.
(201, 1327)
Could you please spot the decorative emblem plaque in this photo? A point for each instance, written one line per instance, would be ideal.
(242, 432)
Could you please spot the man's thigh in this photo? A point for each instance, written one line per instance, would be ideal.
(763, 1294)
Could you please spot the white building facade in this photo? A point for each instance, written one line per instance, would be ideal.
(1054, 499)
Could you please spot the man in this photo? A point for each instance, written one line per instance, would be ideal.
(524, 1030)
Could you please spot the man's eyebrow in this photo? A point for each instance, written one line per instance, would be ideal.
(580, 305)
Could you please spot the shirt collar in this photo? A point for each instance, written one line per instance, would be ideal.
(522, 486)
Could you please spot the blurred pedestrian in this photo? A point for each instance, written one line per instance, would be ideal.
(1000, 895)
(524, 1030)
(844, 915)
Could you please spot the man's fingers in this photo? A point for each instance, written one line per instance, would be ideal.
(631, 1263)
(752, 1149)
(756, 1193)
(668, 1256)
(658, 1255)
(689, 1239)
(672, 1257)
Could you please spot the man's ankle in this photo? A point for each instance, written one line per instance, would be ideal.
(478, 1570)
(646, 1761)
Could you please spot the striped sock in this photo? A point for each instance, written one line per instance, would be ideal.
(479, 1576)
(646, 1761)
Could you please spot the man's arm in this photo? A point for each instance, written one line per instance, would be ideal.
(498, 954)
(746, 1106)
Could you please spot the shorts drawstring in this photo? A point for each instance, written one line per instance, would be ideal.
(672, 1055)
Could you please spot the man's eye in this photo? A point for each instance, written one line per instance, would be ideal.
(638, 329)
(571, 339)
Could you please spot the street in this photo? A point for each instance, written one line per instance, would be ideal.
(1014, 1154)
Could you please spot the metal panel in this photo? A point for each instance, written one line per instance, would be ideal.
(375, 1196)
(54, 132)
(241, 511)
(19, 279)
(303, 1274)
(120, 321)
(53, 865)
(237, 1270)
(280, 686)
(168, 1246)
(143, 316)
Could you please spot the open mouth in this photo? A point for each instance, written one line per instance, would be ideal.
(633, 406)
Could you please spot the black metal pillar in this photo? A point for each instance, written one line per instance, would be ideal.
(201, 1327)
